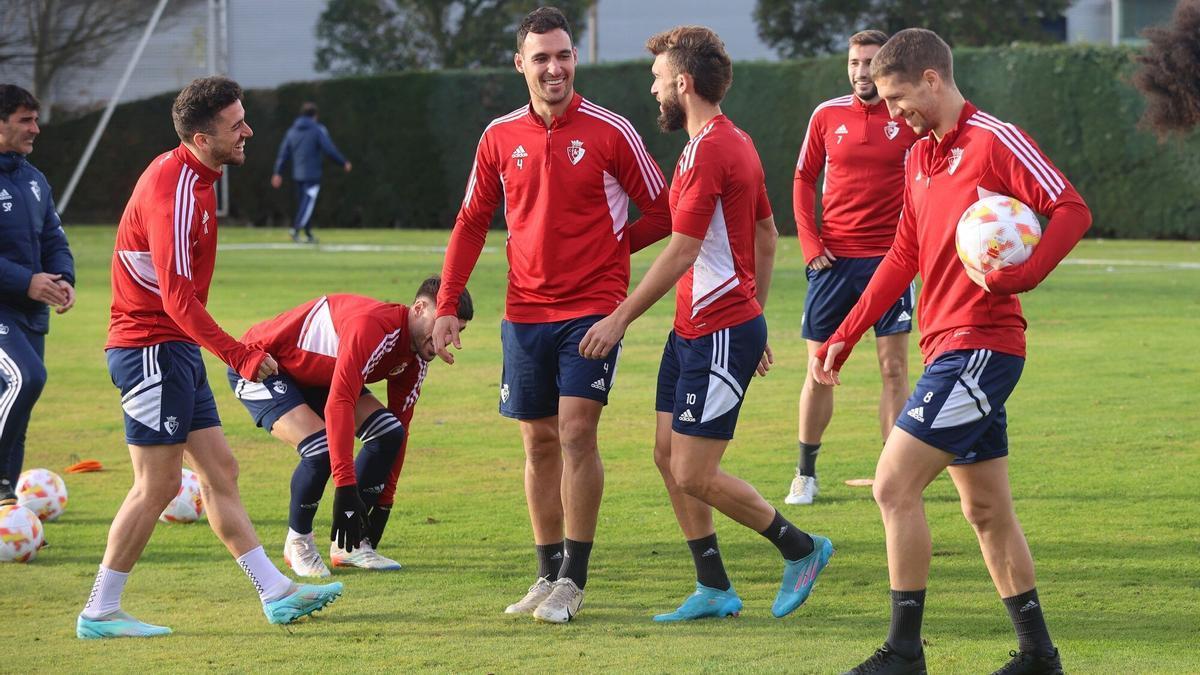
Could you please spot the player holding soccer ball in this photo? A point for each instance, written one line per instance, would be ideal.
(328, 349)
(565, 170)
(972, 338)
(720, 258)
(161, 269)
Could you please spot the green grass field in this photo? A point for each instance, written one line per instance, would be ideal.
(1104, 430)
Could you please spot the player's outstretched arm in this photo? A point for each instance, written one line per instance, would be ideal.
(670, 265)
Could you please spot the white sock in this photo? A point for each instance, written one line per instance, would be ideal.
(267, 579)
(105, 597)
(292, 534)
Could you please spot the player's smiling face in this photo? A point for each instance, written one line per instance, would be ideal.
(227, 142)
(859, 68)
(18, 131)
(909, 101)
(548, 62)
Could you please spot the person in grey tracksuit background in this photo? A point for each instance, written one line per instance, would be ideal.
(306, 144)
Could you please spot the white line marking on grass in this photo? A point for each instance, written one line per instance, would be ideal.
(1099, 262)
(342, 248)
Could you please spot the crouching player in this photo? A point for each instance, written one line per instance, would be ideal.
(327, 349)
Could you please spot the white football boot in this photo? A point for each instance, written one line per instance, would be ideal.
(362, 557)
(562, 604)
(301, 554)
(804, 489)
(538, 592)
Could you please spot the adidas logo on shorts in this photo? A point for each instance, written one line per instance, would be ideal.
(687, 416)
(599, 384)
(904, 316)
(918, 414)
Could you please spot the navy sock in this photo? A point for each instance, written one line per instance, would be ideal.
(575, 561)
(807, 465)
(550, 558)
(382, 435)
(308, 482)
(904, 634)
(791, 541)
(1026, 613)
(710, 569)
(377, 519)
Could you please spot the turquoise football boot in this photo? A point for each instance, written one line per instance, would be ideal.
(305, 600)
(800, 575)
(115, 625)
(704, 603)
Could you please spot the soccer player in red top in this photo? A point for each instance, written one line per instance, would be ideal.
(721, 255)
(328, 349)
(565, 170)
(861, 150)
(972, 339)
(162, 266)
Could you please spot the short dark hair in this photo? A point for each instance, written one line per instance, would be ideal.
(429, 289)
(196, 107)
(1167, 72)
(868, 37)
(699, 52)
(13, 98)
(308, 109)
(542, 20)
(910, 53)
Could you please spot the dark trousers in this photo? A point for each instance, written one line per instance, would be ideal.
(306, 200)
(22, 377)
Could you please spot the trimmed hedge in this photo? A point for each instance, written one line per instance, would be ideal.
(411, 136)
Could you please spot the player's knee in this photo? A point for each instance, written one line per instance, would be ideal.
(893, 369)
(984, 516)
(32, 379)
(157, 491)
(662, 459)
(578, 437)
(382, 433)
(892, 496)
(540, 439)
(694, 481)
(219, 477)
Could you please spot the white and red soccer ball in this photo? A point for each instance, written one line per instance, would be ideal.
(20, 534)
(996, 232)
(187, 506)
(43, 492)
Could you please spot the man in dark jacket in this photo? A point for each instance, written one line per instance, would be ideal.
(36, 270)
(306, 144)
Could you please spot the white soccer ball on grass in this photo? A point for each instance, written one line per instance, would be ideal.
(43, 492)
(187, 506)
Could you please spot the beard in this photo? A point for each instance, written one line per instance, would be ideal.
(229, 156)
(869, 94)
(672, 117)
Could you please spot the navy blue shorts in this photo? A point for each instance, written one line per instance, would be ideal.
(542, 363)
(702, 382)
(272, 398)
(832, 293)
(958, 404)
(164, 392)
